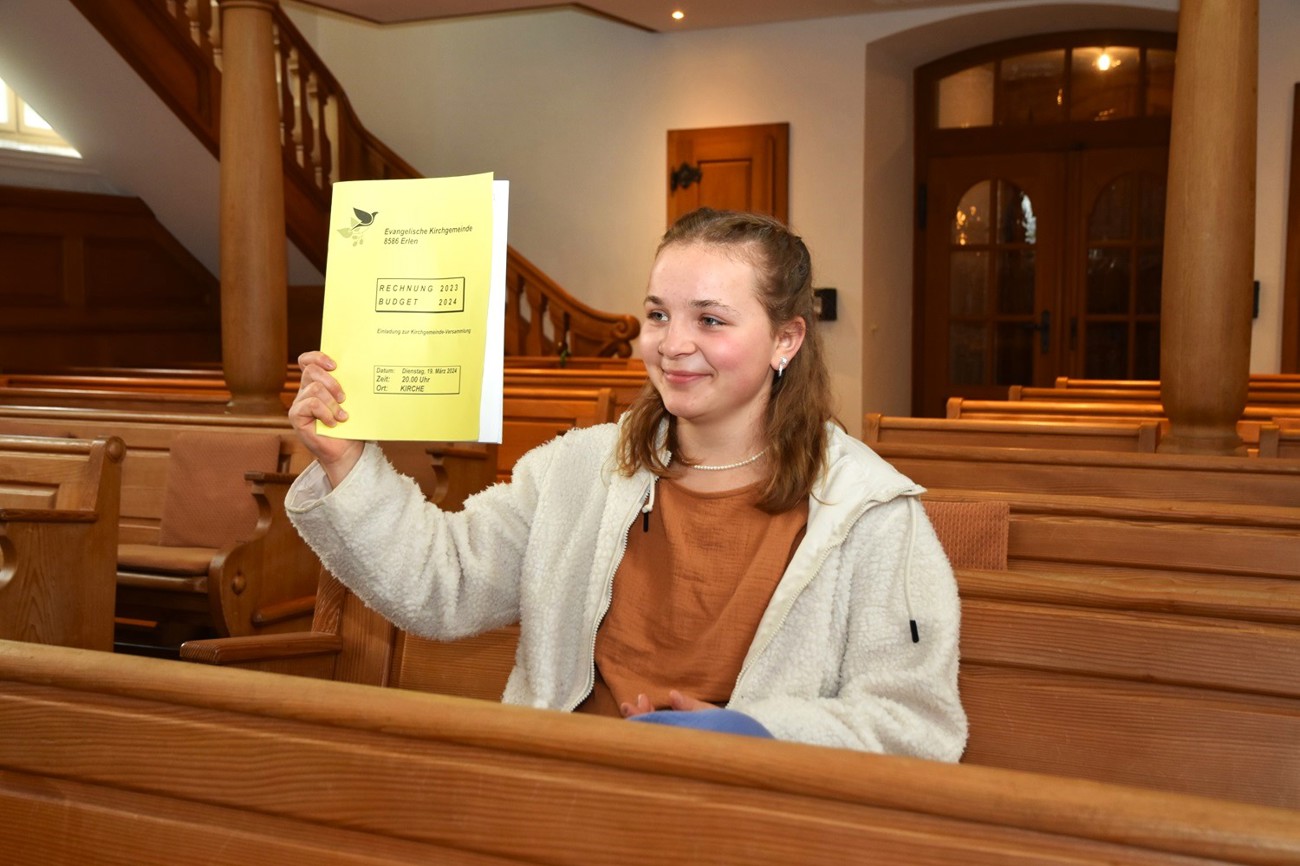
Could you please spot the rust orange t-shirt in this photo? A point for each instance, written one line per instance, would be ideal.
(688, 596)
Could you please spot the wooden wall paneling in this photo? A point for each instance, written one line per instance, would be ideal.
(96, 279)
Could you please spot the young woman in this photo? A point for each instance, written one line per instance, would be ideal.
(725, 544)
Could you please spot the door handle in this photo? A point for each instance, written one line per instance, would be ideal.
(1044, 329)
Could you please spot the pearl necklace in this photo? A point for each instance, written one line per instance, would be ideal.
(745, 462)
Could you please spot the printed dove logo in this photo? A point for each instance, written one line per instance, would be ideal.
(360, 222)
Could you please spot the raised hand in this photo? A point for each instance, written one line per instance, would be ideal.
(319, 398)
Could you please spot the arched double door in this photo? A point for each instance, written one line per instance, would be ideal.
(1039, 241)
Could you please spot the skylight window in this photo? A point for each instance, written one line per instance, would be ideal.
(22, 128)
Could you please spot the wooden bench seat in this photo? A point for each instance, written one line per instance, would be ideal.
(109, 753)
(1120, 435)
(59, 501)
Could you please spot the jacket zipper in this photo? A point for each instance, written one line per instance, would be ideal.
(608, 598)
(812, 574)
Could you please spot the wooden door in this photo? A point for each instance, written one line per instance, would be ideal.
(1115, 263)
(1039, 265)
(729, 168)
(990, 312)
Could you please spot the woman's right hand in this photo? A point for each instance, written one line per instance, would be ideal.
(318, 399)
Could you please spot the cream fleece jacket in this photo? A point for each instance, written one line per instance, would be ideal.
(833, 661)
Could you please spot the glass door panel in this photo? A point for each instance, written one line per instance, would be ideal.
(991, 265)
(1122, 195)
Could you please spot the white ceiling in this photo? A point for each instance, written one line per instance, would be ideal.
(653, 15)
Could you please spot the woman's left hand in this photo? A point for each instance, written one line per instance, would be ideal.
(676, 701)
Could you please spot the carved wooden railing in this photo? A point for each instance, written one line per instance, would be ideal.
(175, 46)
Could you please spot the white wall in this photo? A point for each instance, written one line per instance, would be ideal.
(574, 109)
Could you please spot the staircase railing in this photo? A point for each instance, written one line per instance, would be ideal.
(175, 46)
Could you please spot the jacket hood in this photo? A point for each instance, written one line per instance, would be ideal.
(853, 471)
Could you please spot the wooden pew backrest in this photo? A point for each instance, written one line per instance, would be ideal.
(228, 766)
(532, 416)
(1175, 477)
(1134, 436)
(625, 385)
(1263, 395)
(58, 539)
(1088, 689)
(148, 438)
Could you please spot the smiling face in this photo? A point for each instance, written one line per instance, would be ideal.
(707, 343)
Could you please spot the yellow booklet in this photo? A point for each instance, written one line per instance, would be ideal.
(414, 310)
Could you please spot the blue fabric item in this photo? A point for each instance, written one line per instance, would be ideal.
(721, 720)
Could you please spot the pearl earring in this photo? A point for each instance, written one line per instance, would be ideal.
(781, 368)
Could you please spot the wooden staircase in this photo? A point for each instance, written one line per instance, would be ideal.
(175, 46)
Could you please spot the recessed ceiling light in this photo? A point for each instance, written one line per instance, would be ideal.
(678, 15)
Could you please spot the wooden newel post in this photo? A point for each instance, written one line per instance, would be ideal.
(1210, 227)
(254, 341)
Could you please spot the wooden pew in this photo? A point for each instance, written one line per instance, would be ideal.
(191, 400)
(448, 473)
(1263, 396)
(1136, 640)
(1188, 555)
(137, 379)
(59, 501)
(1062, 674)
(265, 583)
(1281, 439)
(625, 384)
(1175, 477)
(167, 593)
(192, 395)
(1133, 436)
(1121, 626)
(573, 362)
(110, 755)
(1068, 410)
(1256, 382)
(532, 416)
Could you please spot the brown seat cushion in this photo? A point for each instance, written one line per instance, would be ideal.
(207, 502)
(973, 533)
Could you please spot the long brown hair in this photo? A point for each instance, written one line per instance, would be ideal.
(800, 401)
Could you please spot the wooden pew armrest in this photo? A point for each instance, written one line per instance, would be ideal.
(238, 651)
(260, 584)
